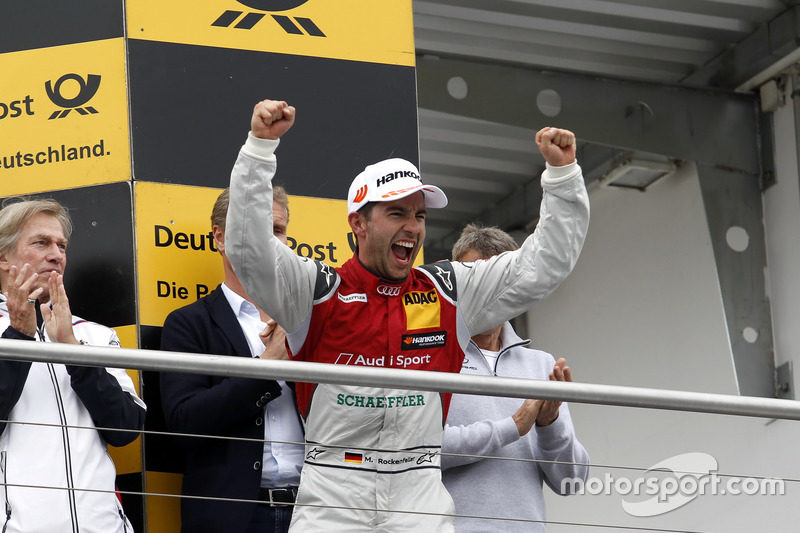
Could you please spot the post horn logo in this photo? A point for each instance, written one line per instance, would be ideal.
(88, 88)
(298, 26)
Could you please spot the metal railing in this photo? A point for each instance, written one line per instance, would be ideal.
(401, 379)
(160, 361)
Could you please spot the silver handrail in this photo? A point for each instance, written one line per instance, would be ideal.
(401, 379)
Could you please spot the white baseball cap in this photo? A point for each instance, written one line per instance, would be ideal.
(390, 179)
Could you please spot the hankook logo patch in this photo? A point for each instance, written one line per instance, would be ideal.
(416, 341)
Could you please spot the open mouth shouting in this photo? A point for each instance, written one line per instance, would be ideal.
(403, 251)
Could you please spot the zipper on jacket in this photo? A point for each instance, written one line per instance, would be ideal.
(493, 369)
(5, 485)
(124, 521)
(497, 359)
(40, 322)
(62, 415)
(506, 349)
(483, 357)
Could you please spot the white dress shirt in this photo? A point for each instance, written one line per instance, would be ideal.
(282, 461)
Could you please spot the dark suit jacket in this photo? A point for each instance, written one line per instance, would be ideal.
(215, 405)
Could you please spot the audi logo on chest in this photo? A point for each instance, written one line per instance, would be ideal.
(388, 290)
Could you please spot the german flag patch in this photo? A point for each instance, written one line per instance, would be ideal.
(351, 457)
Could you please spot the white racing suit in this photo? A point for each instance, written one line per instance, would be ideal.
(372, 459)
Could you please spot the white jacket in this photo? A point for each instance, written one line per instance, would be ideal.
(481, 479)
(55, 470)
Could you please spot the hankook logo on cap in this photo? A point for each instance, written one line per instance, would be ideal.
(383, 180)
(388, 290)
(251, 19)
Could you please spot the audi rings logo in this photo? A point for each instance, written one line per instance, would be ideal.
(86, 90)
(388, 290)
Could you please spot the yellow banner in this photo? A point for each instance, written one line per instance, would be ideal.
(376, 32)
(177, 261)
(163, 512)
(176, 256)
(64, 117)
(128, 459)
(127, 339)
(318, 229)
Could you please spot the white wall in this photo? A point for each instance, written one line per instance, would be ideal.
(643, 308)
(782, 220)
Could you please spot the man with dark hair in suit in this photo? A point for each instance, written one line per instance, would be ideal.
(266, 465)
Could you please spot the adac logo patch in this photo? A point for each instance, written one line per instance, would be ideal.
(87, 88)
(417, 341)
(420, 298)
(422, 309)
(292, 26)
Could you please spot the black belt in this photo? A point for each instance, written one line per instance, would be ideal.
(278, 497)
